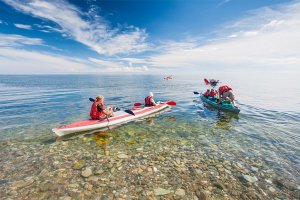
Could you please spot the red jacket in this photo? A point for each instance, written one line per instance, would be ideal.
(148, 101)
(223, 89)
(95, 114)
(212, 93)
(206, 93)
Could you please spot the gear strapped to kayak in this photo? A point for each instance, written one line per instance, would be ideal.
(212, 82)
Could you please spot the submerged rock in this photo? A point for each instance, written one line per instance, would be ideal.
(272, 189)
(122, 156)
(79, 164)
(291, 185)
(3, 181)
(219, 185)
(140, 149)
(161, 191)
(86, 173)
(180, 192)
(23, 183)
(254, 169)
(73, 185)
(247, 178)
(98, 172)
(202, 195)
(93, 179)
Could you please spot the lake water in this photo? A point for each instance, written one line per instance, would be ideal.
(266, 131)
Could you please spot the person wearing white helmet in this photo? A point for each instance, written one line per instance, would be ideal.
(149, 101)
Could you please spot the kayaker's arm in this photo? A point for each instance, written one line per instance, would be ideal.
(152, 100)
(106, 112)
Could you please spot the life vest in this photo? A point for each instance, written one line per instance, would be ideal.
(206, 93)
(212, 93)
(95, 114)
(148, 101)
(223, 89)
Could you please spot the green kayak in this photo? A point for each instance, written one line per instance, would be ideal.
(225, 106)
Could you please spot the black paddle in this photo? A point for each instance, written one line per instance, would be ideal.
(127, 111)
(196, 93)
(91, 99)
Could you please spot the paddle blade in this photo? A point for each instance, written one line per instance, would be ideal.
(129, 112)
(206, 81)
(196, 93)
(137, 104)
(171, 103)
(91, 99)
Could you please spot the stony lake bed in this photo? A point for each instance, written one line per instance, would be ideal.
(187, 152)
(131, 163)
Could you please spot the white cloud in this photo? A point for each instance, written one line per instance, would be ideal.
(269, 38)
(178, 45)
(223, 2)
(3, 22)
(135, 69)
(95, 33)
(47, 28)
(17, 61)
(45, 31)
(114, 66)
(23, 26)
(11, 40)
(232, 36)
(14, 60)
(134, 60)
(107, 64)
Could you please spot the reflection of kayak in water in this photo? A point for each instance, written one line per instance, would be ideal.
(225, 105)
(119, 117)
(102, 140)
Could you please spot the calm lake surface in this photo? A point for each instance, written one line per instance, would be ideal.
(267, 128)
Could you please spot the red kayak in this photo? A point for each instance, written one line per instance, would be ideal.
(119, 117)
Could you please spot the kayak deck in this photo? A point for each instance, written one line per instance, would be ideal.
(225, 107)
(118, 118)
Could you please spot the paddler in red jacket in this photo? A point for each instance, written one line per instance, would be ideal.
(99, 109)
(206, 94)
(149, 101)
(212, 93)
(225, 93)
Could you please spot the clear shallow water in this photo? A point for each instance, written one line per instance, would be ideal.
(267, 127)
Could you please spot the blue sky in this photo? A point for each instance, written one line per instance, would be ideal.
(148, 36)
